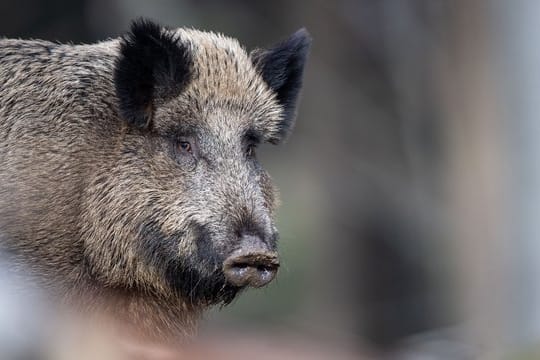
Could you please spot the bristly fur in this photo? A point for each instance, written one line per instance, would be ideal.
(185, 276)
(95, 208)
(282, 67)
(152, 64)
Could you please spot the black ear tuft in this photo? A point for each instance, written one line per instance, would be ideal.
(282, 67)
(153, 65)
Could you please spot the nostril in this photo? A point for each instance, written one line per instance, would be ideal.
(262, 268)
(254, 269)
(240, 265)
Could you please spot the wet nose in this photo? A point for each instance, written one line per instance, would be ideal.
(253, 264)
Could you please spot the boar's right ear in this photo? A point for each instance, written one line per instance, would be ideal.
(153, 65)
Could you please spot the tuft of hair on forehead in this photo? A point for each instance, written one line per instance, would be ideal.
(153, 65)
(223, 67)
(225, 78)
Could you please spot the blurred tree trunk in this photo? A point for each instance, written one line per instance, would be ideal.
(386, 207)
(477, 178)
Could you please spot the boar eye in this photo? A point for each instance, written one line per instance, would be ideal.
(251, 140)
(250, 150)
(185, 146)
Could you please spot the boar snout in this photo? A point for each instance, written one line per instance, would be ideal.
(253, 264)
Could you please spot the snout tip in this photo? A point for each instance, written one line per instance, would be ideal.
(255, 269)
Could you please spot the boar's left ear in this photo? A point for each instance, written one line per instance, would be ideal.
(153, 66)
(282, 68)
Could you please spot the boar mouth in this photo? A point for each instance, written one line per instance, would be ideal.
(205, 277)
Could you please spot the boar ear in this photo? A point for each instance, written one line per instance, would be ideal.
(282, 68)
(153, 65)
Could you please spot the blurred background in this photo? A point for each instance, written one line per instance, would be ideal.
(411, 186)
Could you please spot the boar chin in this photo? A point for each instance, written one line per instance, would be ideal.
(198, 288)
